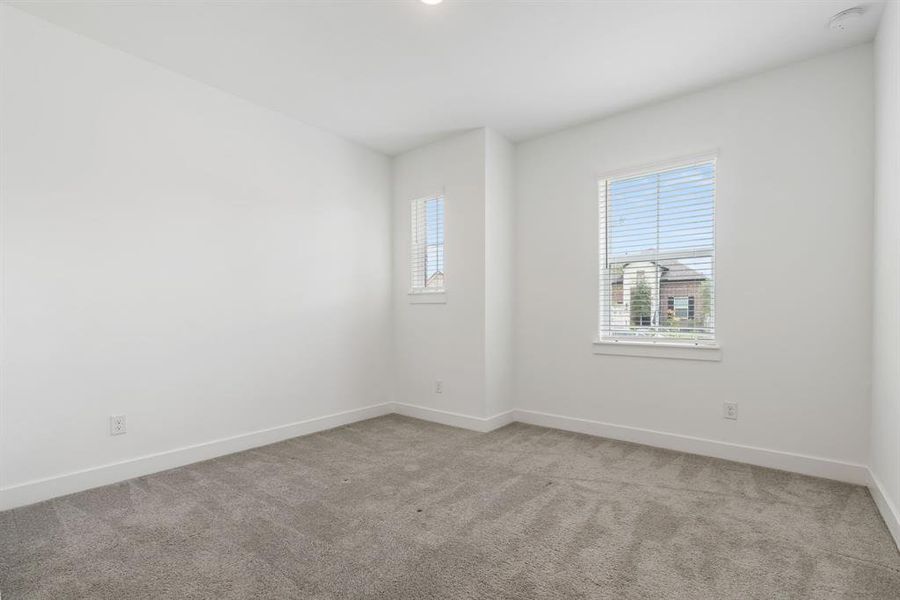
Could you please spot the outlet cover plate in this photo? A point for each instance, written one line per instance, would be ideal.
(117, 425)
(730, 411)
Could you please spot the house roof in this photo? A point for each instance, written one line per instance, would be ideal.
(677, 271)
(673, 270)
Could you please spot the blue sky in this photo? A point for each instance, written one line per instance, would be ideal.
(682, 200)
(671, 211)
(434, 236)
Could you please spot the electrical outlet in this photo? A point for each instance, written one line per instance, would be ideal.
(117, 425)
(438, 386)
(729, 410)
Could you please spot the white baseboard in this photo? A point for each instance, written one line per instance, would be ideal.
(51, 487)
(44, 489)
(886, 507)
(774, 459)
(482, 424)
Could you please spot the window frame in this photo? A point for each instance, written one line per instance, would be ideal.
(660, 346)
(423, 295)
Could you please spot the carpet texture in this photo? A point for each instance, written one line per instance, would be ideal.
(397, 508)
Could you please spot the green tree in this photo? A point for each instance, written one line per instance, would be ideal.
(641, 304)
(705, 304)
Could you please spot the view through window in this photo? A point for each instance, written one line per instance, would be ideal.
(657, 255)
(427, 251)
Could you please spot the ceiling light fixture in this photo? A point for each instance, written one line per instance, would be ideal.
(845, 19)
(431, 2)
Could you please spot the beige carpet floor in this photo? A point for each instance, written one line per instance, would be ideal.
(396, 508)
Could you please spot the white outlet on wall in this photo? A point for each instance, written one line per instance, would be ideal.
(729, 410)
(117, 425)
(438, 386)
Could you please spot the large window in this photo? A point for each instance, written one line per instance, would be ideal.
(427, 248)
(657, 255)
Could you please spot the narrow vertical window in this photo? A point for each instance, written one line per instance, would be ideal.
(427, 247)
(657, 255)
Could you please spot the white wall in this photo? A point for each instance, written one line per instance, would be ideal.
(794, 253)
(210, 268)
(443, 341)
(885, 462)
(499, 273)
(172, 253)
(466, 342)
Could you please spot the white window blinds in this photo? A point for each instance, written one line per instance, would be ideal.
(427, 249)
(657, 255)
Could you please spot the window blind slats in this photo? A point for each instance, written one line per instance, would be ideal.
(427, 245)
(657, 251)
(682, 202)
(659, 181)
(656, 215)
(670, 192)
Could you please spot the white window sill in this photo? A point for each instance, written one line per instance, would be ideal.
(428, 297)
(659, 350)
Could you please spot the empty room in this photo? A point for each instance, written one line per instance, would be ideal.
(450, 299)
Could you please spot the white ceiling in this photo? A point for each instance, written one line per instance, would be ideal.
(395, 74)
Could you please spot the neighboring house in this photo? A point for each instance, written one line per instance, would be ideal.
(436, 281)
(644, 287)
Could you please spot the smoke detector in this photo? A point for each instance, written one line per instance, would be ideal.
(846, 19)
